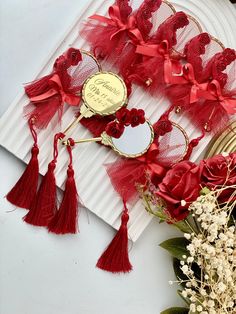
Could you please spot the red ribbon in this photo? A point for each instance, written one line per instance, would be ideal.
(116, 21)
(208, 91)
(197, 90)
(57, 89)
(150, 160)
(162, 49)
(227, 102)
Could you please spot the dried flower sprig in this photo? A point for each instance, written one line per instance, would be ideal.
(213, 250)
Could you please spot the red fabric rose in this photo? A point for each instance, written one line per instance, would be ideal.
(181, 183)
(73, 56)
(219, 171)
(61, 64)
(137, 116)
(123, 116)
(162, 127)
(115, 129)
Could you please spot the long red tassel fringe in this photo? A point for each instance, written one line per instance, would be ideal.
(44, 206)
(66, 218)
(24, 191)
(115, 259)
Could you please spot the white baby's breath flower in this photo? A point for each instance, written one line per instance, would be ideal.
(187, 236)
(192, 307)
(213, 249)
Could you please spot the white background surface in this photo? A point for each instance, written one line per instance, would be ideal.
(46, 274)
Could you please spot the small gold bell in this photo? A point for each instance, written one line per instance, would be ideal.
(149, 82)
(207, 127)
(178, 109)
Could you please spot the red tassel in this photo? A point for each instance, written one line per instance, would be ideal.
(44, 205)
(115, 259)
(193, 144)
(24, 191)
(66, 218)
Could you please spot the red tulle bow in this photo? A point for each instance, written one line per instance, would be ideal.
(227, 102)
(149, 159)
(208, 91)
(57, 89)
(116, 21)
(155, 50)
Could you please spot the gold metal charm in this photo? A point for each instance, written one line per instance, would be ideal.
(103, 93)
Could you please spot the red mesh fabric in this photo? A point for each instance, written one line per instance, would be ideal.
(44, 111)
(48, 94)
(163, 13)
(112, 41)
(168, 29)
(179, 94)
(152, 68)
(144, 16)
(184, 35)
(172, 147)
(213, 114)
(125, 174)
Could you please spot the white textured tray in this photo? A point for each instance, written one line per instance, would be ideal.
(95, 190)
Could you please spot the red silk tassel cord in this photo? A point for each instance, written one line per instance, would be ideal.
(115, 258)
(65, 218)
(43, 211)
(24, 191)
(44, 205)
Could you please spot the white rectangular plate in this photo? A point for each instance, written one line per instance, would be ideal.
(93, 184)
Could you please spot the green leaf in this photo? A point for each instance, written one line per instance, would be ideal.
(178, 272)
(176, 247)
(186, 300)
(183, 226)
(176, 310)
(205, 191)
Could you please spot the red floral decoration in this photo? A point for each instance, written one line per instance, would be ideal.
(137, 117)
(73, 56)
(124, 116)
(219, 171)
(115, 129)
(179, 188)
(162, 127)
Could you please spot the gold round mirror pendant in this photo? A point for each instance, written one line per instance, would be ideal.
(225, 142)
(104, 93)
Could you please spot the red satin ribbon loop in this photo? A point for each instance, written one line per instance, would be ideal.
(115, 20)
(57, 89)
(227, 102)
(162, 49)
(208, 91)
(197, 90)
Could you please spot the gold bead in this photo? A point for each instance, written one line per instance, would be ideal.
(149, 82)
(178, 109)
(207, 127)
